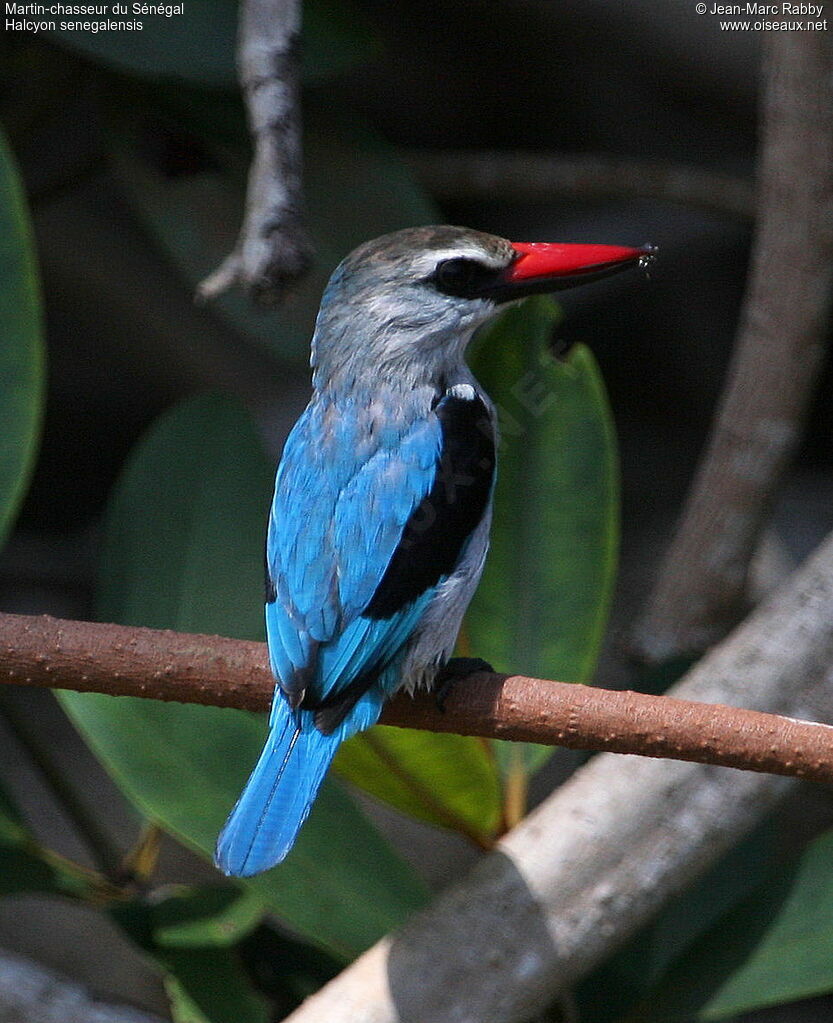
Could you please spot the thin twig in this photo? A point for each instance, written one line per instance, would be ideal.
(542, 177)
(125, 661)
(274, 249)
(702, 586)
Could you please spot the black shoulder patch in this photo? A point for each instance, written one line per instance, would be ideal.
(442, 522)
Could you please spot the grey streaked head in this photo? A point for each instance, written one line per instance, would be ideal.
(409, 302)
(391, 302)
(417, 249)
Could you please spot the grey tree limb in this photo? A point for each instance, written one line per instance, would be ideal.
(597, 859)
(273, 249)
(29, 993)
(701, 590)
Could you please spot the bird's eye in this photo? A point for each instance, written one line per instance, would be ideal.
(461, 277)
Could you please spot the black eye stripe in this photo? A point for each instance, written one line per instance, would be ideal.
(463, 277)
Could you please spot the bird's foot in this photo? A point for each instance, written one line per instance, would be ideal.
(454, 671)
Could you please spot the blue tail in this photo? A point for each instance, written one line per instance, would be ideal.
(263, 826)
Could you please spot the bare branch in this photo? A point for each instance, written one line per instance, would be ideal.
(542, 177)
(703, 581)
(598, 858)
(273, 250)
(120, 660)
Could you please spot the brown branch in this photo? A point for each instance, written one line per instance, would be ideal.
(543, 177)
(273, 250)
(124, 661)
(702, 585)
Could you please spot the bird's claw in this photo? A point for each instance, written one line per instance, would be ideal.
(454, 671)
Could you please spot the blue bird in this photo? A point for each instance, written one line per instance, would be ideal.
(380, 520)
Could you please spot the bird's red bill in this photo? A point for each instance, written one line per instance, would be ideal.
(548, 260)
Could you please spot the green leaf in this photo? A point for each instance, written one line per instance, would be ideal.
(204, 979)
(26, 867)
(198, 45)
(542, 606)
(21, 352)
(210, 986)
(775, 947)
(286, 969)
(206, 917)
(448, 780)
(183, 550)
(183, 546)
(205, 983)
(356, 188)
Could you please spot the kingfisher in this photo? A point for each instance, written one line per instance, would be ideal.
(379, 524)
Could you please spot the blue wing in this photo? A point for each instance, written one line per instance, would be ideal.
(342, 499)
(343, 496)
